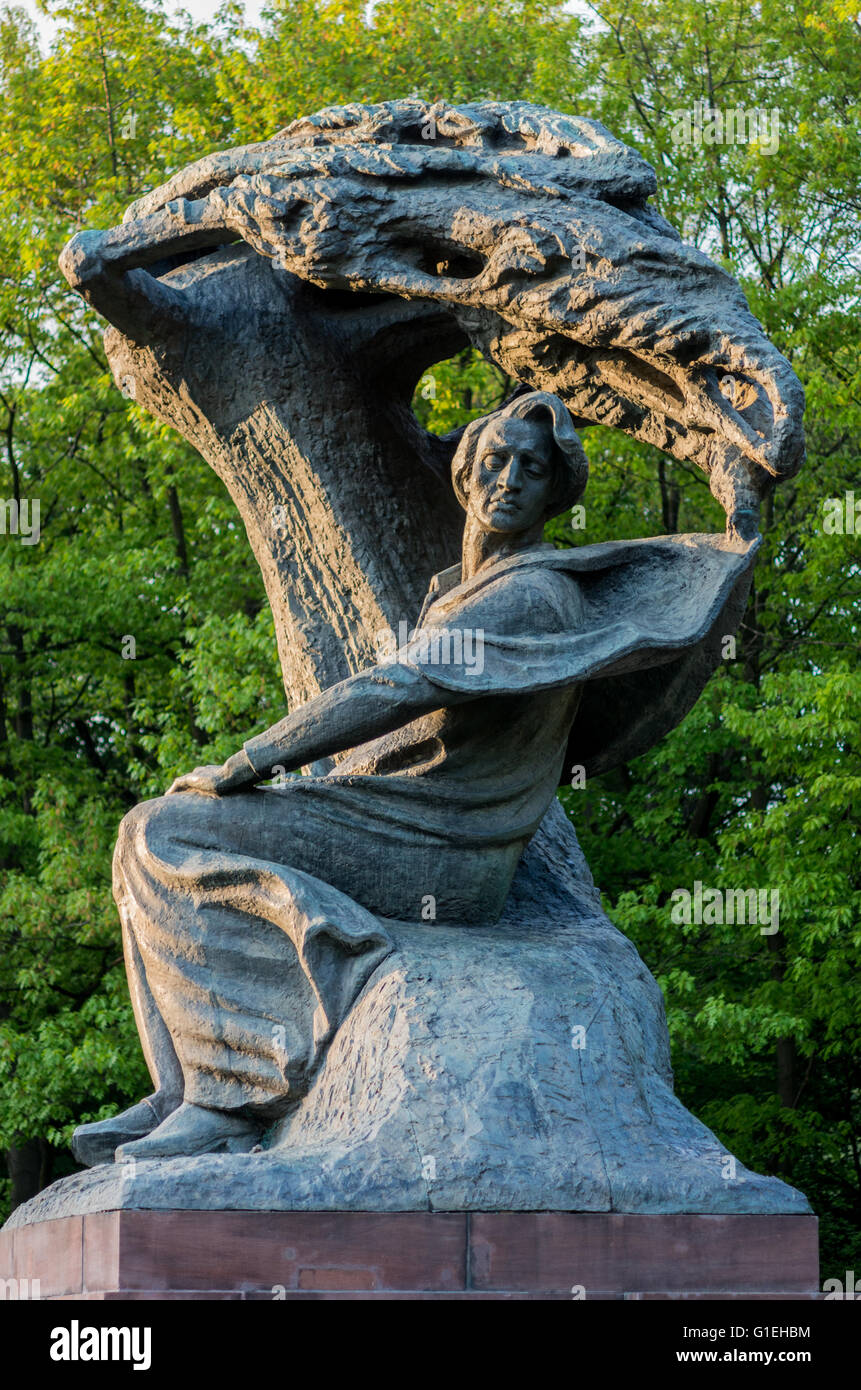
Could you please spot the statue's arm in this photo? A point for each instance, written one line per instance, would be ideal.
(392, 693)
(363, 707)
(355, 710)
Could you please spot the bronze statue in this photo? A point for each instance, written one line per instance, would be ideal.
(453, 767)
(389, 984)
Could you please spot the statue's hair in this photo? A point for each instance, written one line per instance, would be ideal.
(572, 467)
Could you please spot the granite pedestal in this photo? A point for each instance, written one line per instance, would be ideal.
(134, 1254)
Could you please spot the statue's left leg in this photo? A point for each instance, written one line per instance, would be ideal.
(97, 1142)
(241, 964)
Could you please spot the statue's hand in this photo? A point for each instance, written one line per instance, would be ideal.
(217, 779)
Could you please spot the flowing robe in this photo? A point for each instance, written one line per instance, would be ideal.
(253, 920)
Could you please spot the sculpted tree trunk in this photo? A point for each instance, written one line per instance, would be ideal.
(301, 404)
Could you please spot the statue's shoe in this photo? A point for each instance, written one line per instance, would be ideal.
(193, 1130)
(95, 1143)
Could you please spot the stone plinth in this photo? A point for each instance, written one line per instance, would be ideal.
(131, 1255)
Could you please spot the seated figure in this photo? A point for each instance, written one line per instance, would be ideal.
(254, 915)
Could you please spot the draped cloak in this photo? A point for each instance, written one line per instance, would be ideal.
(654, 616)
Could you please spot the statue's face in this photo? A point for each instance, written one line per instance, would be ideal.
(513, 475)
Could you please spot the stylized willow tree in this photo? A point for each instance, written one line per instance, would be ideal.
(278, 303)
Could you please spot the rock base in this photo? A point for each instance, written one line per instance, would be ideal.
(523, 1067)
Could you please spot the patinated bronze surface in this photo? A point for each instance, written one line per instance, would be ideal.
(362, 987)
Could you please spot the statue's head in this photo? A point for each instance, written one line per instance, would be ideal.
(521, 465)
